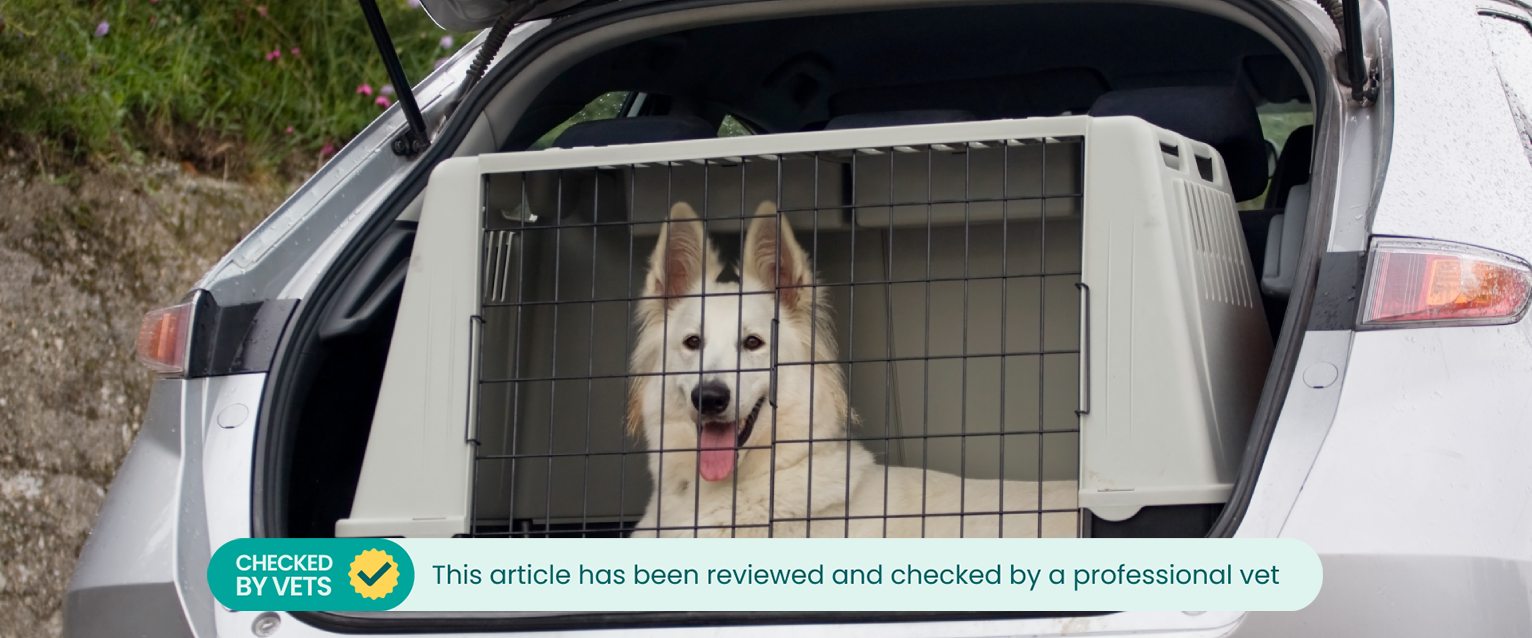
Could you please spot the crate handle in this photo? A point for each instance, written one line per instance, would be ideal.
(471, 418)
(1083, 404)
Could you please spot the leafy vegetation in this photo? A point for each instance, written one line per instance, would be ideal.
(252, 83)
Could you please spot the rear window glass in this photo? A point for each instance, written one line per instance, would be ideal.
(1278, 121)
(605, 107)
(731, 127)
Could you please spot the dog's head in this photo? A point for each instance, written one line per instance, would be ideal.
(707, 349)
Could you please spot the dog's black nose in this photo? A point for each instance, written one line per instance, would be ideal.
(710, 397)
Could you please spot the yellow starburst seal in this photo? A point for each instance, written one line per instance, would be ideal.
(374, 574)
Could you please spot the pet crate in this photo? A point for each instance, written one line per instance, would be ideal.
(1061, 302)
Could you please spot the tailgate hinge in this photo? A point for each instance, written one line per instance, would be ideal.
(416, 138)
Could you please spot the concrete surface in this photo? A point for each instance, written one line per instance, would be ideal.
(81, 258)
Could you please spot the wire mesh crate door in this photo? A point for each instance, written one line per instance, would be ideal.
(920, 350)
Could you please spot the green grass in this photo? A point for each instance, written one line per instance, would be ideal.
(191, 79)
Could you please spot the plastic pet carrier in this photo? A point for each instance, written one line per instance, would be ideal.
(1061, 308)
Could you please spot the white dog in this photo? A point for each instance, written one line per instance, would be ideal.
(728, 460)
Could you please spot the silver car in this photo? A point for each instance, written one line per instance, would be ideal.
(1381, 152)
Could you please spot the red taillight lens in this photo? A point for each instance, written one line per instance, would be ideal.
(164, 337)
(1428, 282)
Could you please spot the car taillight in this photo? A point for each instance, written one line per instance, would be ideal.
(164, 338)
(1420, 282)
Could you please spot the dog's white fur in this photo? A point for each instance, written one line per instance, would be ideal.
(781, 484)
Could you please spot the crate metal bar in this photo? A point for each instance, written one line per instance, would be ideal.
(829, 285)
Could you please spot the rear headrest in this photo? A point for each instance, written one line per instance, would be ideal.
(1222, 117)
(899, 118)
(635, 130)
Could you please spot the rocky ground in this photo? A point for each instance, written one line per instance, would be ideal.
(82, 256)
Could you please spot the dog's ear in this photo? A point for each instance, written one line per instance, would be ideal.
(682, 256)
(772, 255)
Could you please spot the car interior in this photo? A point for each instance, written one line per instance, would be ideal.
(1202, 76)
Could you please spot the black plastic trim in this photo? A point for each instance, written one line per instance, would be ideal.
(236, 339)
(379, 284)
(1159, 521)
(271, 443)
(1338, 291)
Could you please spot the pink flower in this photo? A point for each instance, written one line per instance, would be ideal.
(364, 89)
(102, 29)
(261, 9)
(327, 150)
(273, 55)
(446, 42)
(388, 89)
(383, 101)
(295, 51)
(289, 130)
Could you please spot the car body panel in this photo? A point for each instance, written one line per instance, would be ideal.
(183, 491)
(125, 574)
(1387, 596)
(1438, 419)
(1307, 413)
(1420, 502)
(1456, 171)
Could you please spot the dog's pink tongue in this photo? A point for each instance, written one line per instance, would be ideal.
(716, 460)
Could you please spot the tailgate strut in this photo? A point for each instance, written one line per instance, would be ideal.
(1352, 66)
(417, 137)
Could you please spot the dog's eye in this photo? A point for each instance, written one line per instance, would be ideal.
(693, 342)
(753, 342)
